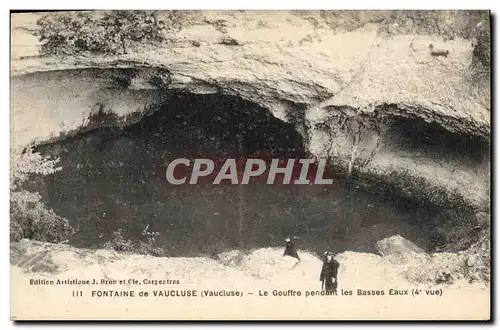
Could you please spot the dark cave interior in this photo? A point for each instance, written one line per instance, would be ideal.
(112, 178)
(433, 141)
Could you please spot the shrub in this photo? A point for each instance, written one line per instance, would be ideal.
(64, 33)
(111, 32)
(120, 244)
(146, 247)
(29, 217)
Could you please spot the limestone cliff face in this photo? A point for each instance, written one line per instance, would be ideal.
(379, 105)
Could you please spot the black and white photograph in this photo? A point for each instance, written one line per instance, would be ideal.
(181, 165)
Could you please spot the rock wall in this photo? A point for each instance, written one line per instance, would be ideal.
(303, 71)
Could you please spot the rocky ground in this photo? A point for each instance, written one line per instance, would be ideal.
(248, 272)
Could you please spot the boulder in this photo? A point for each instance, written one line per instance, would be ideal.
(397, 245)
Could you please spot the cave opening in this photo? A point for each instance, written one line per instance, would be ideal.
(112, 178)
(431, 140)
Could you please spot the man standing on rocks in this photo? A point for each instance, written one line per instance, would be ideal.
(329, 271)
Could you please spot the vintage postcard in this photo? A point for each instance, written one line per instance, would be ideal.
(250, 165)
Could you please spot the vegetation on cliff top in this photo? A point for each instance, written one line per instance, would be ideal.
(111, 32)
(114, 32)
